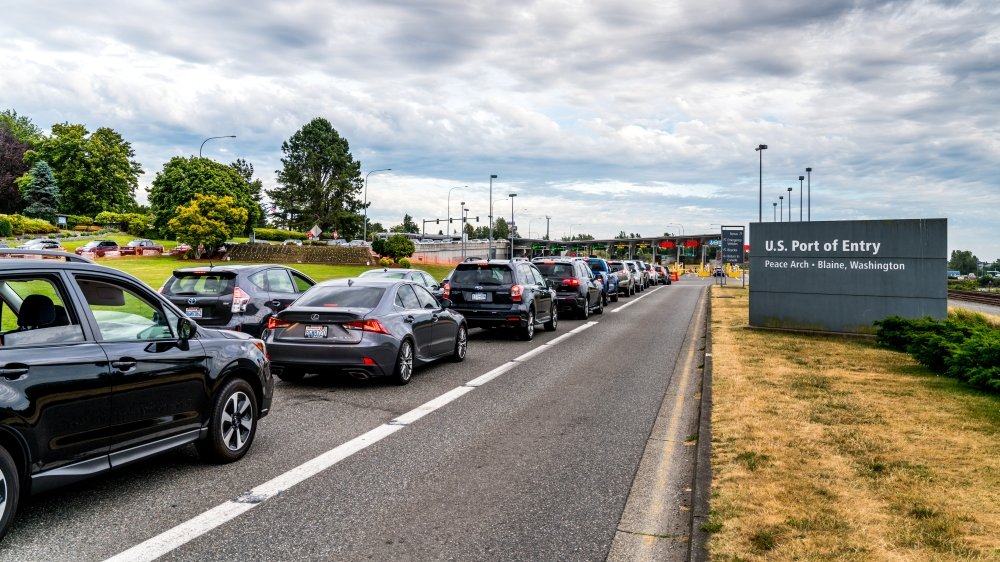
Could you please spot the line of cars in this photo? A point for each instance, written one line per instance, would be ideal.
(193, 362)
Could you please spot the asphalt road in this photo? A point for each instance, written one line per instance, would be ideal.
(536, 463)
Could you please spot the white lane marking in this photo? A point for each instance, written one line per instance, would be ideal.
(483, 379)
(635, 300)
(169, 540)
(428, 407)
(191, 529)
(530, 354)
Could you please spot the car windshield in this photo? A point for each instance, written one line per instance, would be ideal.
(560, 270)
(382, 273)
(92, 244)
(342, 297)
(482, 275)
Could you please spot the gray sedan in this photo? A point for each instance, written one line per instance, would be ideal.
(366, 328)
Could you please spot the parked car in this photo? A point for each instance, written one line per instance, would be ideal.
(576, 289)
(180, 249)
(609, 280)
(235, 297)
(42, 244)
(100, 371)
(374, 327)
(98, 247)
(654, 278)
(503, 293)
(137, 246)
(291, 242)
(419, 277)
(626, 281)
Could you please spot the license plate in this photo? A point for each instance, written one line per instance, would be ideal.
(315, 331)
(479, 296)
(193, 311)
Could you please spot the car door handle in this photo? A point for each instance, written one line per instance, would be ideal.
(124, 365)
(408, 320)
(14, 372)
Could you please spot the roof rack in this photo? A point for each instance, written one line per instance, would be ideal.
(13, 252)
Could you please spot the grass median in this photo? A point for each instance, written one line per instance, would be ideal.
(830, 448)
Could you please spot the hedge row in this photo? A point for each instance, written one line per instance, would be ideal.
(335, 255)
(965, 346)
(278, 235)
(19, 224)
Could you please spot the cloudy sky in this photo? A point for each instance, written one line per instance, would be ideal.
(603, 115)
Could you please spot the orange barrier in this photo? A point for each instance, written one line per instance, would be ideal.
(674, 276)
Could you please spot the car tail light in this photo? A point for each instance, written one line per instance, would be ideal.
(240, 300)
(370, 325)
(572, 282)
(274, 322)
(447, 290)
(515, 293)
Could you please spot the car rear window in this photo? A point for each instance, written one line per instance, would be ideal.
(556, 269)
(482, 275)
(208, 284)
(342, 297)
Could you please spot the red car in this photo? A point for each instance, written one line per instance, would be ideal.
(99, 247)
(137, 246)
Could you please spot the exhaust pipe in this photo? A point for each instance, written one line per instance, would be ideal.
(360, 375)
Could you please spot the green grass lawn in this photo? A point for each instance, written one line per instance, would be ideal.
(155, 271)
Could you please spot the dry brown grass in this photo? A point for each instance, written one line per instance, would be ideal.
(829, 448)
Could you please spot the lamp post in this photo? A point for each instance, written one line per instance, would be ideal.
(489, 247)
(547, 219)
(809, 199)
(210, 138)
(449, 206)
(760, 201)
(511, 227)
(789, 204)
(364, 228)
(800, 197)
(775, 212)
(782, 215)
(464, 214)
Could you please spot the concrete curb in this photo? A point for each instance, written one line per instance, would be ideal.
(701, 493)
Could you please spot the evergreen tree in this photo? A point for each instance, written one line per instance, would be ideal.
(41, 193)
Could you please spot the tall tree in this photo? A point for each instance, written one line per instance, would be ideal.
(319, 182)
(245, 170)
(500, 229)
(964, 261)
(96, 172)
(17, 136)
(208, 220)
(407, 226)
(182, 178)
(41, 193)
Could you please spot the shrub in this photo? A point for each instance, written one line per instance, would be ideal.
(277, 235)
(405, 262)
(977, 360)
(398, 246)
(385, 262)
(6, 227)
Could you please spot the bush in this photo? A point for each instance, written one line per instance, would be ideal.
(73, 221)
(6, 227)
(398, 246)
(277, 235)
(977, 361)
(405, 262)
(385, 262)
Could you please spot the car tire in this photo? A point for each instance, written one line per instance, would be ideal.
(604, 299)
(291, 375)
(461, 344)
(553, 322)
(527, 332)
(10, 490)
(600, 306)
(233, 423)
(584, 312)
(614, 297)
(403, 371)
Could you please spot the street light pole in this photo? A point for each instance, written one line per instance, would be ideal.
(782, 215)
(489, 247)
(511, 226)
(789, 204)
(760, 201)
(547, 219)
(464, 214)
(775, 219)
(810, 198)
(800, 197)
(210, 138)
(364, 228)
(449, 206)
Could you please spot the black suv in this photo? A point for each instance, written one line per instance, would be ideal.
(576, 288)
(235, 297)
(100, 371)
(504, 293)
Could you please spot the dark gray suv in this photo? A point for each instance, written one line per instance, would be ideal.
(501, 293)
(99, 371)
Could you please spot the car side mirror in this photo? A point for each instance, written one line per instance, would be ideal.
(445, 303)
(185, 329)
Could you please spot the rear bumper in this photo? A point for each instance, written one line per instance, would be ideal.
(477, 318)
(381, 352)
